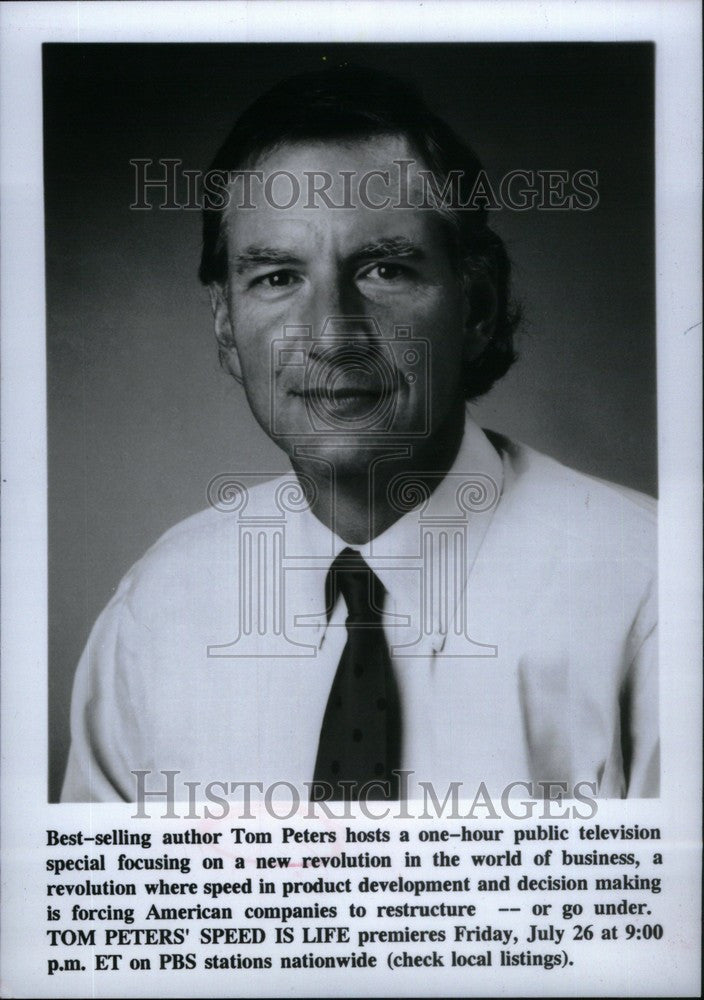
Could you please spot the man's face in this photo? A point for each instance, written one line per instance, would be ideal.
(345, 279)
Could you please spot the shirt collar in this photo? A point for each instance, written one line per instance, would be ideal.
(463, 501)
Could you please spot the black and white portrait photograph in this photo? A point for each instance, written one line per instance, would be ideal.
(423, 433)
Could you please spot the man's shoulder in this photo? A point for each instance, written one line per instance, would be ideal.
(202, 546)
(573, 502)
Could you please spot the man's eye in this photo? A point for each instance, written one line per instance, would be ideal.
(277, 279)
(386, 272)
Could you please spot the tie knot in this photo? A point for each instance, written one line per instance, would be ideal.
(361, 588)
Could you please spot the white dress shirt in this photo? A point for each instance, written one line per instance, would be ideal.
(520, 613)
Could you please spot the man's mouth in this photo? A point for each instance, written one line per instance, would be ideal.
(357, 402)
(338, 394)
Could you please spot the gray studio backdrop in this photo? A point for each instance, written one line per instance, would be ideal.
(140, 416)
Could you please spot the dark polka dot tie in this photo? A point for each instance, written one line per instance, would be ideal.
(360, 738)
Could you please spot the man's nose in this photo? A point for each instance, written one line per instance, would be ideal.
(338, 310)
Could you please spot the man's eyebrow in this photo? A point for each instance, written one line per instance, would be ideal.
(390, 246)
(256, 256)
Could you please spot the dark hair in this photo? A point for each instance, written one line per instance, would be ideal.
(358, 102)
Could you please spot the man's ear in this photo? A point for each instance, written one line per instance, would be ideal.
(481, 304)
(223, 331)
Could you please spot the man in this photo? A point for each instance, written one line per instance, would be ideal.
(417, 597)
